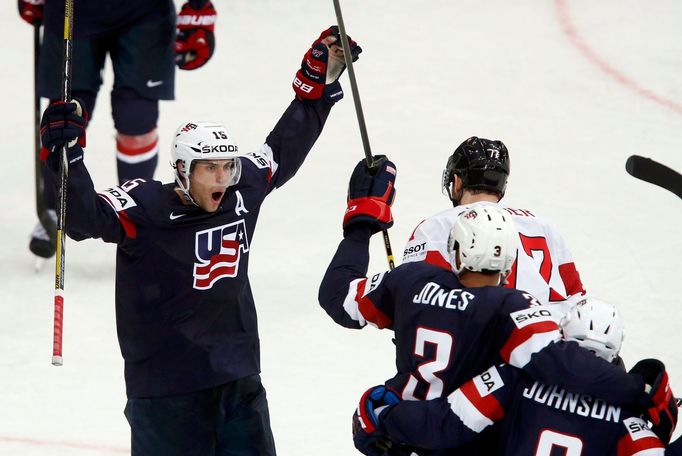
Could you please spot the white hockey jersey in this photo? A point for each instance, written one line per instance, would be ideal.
(544, 266)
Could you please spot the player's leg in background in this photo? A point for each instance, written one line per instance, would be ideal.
(172, 426)
(243, 422)
(144, 73)
(137, 142)
(88, 60)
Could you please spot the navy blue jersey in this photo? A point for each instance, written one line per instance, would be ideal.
(99, 17)
(532, 419)
(185, 312)
(446, 333)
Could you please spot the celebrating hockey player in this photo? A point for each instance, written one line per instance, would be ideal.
(451, 324)
(477, 172)
(185, 312)
(532, 417)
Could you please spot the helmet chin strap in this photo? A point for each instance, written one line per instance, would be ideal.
(184, 188)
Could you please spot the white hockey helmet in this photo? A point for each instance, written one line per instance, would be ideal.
(484, 240)
(596, 326)
(203, 141)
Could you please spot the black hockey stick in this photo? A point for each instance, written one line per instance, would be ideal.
(361, 117)
(60, 264)
(655, 173)
(41, 207)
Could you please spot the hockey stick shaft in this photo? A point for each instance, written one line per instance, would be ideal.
(41, 206)
(361, 117)
(40, 203)
(655, 173)
(60, 264)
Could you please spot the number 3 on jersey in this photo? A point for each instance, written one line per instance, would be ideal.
(443, 345)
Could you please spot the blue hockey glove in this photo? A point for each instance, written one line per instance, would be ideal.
(322, 65)
(662, 407)
(371, 192)
(63, 123)
(367, 437)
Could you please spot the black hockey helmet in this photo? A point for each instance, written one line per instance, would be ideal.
(481, 164)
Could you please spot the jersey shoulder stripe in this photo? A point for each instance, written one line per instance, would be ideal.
(639, 440)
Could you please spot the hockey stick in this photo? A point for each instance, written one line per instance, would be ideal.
(655, 173)
(41, 207)
(60, 264)
(361, 117)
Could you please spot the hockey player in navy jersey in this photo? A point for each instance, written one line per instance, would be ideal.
(451, 324)
(532, 418)
(185, 313)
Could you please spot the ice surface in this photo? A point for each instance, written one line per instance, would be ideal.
(573, 87)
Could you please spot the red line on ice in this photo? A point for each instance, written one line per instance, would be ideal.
(571, 32)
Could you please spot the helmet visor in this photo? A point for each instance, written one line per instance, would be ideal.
(216, 173)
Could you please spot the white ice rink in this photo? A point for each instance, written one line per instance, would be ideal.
(573, 87)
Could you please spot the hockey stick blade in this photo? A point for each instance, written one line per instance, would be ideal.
(655, 173)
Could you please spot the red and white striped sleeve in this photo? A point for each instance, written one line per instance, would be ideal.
(639, 440)
(474, 402)
(359, 303)
(530, 330)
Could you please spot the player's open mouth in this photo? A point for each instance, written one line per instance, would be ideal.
(217, 196)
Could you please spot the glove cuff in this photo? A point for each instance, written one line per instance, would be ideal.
(370, 206)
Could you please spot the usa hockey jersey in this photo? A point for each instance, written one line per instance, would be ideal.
(446, 333)
(532, 418)
(185, 313)
(544, 266)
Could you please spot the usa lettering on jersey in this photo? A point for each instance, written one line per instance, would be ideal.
(218, 252)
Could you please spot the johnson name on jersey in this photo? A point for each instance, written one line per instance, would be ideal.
(532, 418)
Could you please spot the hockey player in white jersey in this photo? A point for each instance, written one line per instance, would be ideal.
(477, 173)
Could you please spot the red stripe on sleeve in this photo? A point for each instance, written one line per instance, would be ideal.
(489, 406)
(368, 310)
(629, 447)
(128, 225)
(519, 336)
(571, 278)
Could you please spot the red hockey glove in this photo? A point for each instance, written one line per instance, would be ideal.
(195, 41)
(662, 408)
(367, 437)
(322, 64)
(371, 192)
(31, 11)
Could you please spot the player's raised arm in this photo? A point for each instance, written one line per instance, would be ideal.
(345, 293)
(317, 89)
(89, 215)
